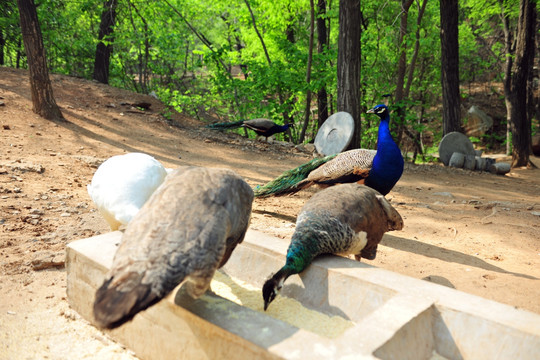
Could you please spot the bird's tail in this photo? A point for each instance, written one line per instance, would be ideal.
(291, 181)
(225, 125)
(114, 305)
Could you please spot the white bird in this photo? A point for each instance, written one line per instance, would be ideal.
(122, 184)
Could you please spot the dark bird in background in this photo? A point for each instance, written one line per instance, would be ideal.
(343, 219)
(263, 127)
(186, 230)
(380, 169)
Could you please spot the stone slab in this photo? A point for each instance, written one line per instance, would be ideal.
(454, 142)
(335, 134)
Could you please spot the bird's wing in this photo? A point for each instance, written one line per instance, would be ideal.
(395, 221)
(225, 125)
(259, 124)
(351, 165)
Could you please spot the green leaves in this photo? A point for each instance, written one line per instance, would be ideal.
(204, 57)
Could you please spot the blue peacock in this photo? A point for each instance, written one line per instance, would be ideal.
(379, 169)
(262, 127)
(344, 219)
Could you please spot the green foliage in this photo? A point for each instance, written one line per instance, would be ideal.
(204, 58)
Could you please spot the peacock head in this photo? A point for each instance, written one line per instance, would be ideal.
(380, 110)
(270, 290)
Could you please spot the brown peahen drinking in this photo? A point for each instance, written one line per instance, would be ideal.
(186, 230)
(343, 219)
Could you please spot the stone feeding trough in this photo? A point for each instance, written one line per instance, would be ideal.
(391, 316)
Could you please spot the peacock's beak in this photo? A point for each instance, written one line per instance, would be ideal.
(371, 111)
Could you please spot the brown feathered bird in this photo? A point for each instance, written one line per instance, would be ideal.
(186, 230)
(344, 219)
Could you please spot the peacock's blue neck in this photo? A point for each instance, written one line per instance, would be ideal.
(383, 135)
(284, 127)
(388, 162)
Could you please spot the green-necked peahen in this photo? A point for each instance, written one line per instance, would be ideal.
(380, 169)
(185, 231)
(343, 219)
(262, 127)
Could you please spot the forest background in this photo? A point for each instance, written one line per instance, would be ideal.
(223, 61)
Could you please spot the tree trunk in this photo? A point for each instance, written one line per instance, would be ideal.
(19, 54)
(348, 66)
(104, 46)
(525, 45)
(450, 66)
(143, 56)
(402, 70)
(412, 66)
(2, 46)
(42, 93)
(322, 45)
(507, 81)
(286, 116)
(308, 73)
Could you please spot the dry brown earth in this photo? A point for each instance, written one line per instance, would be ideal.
(476, 232)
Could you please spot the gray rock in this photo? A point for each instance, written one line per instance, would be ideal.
(444, 193)
(47, 259)
(454, 142)
(456, 160)
(477, 122)
(470, 162)
(499, 168)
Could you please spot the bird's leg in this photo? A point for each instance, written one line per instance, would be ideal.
(197, 283)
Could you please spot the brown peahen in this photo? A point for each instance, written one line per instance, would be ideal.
(186, 230)
(379, 169)
(343, 219)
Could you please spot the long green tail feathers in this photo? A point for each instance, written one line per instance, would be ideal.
(225, 125)
(288, 181)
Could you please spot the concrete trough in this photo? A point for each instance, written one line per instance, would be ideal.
(393, 316)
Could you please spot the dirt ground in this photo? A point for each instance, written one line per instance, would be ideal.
(473, 231)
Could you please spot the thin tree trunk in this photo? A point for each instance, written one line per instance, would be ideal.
(19, 54)
(450, 66)
(308, 73)
(412, 66)
(2, 46)
(104, 47)
(258, 32)
(43, 100)
(509, 48)
(520, 124)
(348, 66)
(322, 46)
(286, 116)
(143, 59)
(402, 69)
